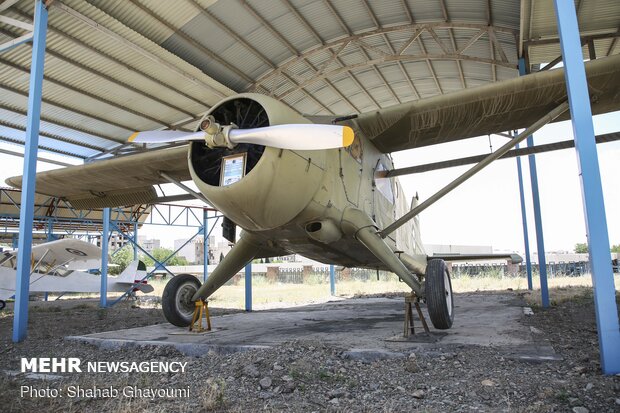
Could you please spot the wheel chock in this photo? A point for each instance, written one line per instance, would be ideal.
(409, 328)
(202, 308)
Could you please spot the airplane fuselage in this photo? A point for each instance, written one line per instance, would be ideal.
(297, 201)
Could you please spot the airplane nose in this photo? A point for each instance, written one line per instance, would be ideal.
(277, 189)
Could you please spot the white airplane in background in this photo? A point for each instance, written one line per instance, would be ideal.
(55, 268)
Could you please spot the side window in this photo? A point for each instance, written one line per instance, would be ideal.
(384, 185)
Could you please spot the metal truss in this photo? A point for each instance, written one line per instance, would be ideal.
(389, 54)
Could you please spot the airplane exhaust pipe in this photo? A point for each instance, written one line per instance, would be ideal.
(325, 231)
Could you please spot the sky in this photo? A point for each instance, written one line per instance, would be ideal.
(485, 210)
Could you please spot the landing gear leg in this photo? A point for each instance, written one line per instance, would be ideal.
(183, 292)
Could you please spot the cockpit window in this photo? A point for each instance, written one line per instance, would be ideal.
(384, 185)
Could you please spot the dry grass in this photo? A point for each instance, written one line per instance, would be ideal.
(266, 295)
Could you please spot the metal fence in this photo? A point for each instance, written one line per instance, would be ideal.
(320, 275)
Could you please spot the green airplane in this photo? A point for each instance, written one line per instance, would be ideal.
(322, 188)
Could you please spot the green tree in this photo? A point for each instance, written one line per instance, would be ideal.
(581, 248)
(122, 258)
(615, 248)
(161, 254)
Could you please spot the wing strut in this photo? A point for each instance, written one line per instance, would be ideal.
(549, 117)
(184, 187)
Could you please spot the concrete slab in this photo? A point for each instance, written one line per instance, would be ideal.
(367, 326)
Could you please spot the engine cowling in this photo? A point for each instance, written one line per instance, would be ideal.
(275, 185)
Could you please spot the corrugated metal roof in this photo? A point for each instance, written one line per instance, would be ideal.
(597, 19)
(114, 66)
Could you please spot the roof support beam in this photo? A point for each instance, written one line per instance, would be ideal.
(269, 27)
(411, 40)
(401, 28)
(108, 78)
(15, 42)
(89, 94)
(459, 66)
(6, 4)
(121, 40)
(402, 68)
(303, 21)
(584, 39)
(53, 30)
(429, 65)
(492, 54)
(377, 72)
(62, 124)
(363, 89)
(39, 159)
(42, 147)
(337, 16)
(498, 45)
(193, 42)
(424, 57)
(230, 32)
(612, 46)
(53, 136)
(17, 23)
(472, 40)
(70, 109)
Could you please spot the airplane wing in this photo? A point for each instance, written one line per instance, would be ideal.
(119, 181)
(78, 254)
(493, 108)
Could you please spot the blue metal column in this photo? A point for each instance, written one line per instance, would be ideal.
(540, 240)
(49, 233)
(248, 287)
(22, 282)
(526, 240)
(205, 244)
(332, 280)
(103, 300)
(135, 244)
(49, 236)
(591, 188)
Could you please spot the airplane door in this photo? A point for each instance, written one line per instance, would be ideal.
(351, 168)
(384, 197)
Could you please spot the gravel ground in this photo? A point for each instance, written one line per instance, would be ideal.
(310, 376)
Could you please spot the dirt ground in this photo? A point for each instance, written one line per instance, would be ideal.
(310, 376)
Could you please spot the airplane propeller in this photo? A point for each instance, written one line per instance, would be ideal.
(292, 136)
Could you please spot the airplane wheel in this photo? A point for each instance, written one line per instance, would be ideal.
(438, 290)
(2, 304)
(177, 299)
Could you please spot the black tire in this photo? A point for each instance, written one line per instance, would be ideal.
(2, 304)
(439, 299)
(177, 299)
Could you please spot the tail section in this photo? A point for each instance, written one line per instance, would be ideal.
(134, 274)
(130, 274)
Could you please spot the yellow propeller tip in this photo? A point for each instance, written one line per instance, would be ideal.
(132, 137)
(347, 136)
